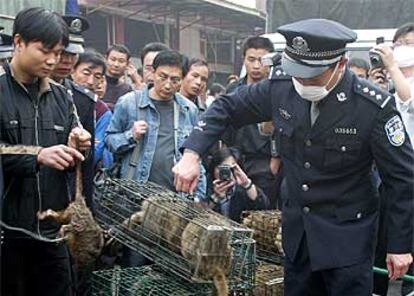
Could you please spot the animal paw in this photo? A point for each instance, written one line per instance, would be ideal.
(46, 214)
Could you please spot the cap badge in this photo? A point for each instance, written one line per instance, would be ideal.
(76, 26)
(300, 44)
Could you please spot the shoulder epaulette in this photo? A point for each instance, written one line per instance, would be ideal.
(83, 90)
(279, 74)
(371, 92)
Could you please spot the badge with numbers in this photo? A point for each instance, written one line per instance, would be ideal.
(395, 131)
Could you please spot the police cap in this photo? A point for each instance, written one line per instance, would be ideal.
(6, 45)
(76, 25)
(313, 45)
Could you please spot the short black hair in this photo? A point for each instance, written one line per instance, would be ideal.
(404, 29)
(168, 58)
(216, 88)
(221, 155)
(257, 42)
(188, 63)
(359, 63)
(91, 56)
(120, 48)
(153, 46)
(39, 24)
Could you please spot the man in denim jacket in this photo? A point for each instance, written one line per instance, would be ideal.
(157, 119)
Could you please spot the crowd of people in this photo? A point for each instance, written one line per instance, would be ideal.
(329, 148)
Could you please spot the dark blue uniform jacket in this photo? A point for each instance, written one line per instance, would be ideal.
(328, 195)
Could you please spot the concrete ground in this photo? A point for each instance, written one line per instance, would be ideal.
(394, 289)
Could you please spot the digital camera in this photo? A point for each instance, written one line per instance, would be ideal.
(225, 172)
(375, 58)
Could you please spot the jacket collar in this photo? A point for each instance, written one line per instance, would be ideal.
(44, 85)
(146, 100)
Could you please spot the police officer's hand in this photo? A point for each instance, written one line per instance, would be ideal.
(59, 157)
(80, 139)
(139, 129)
(220, 187)
(186, 172)
(398, 264)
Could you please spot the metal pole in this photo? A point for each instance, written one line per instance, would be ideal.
(382, 271)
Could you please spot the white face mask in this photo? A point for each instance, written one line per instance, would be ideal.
(311, 92)
(404, 56)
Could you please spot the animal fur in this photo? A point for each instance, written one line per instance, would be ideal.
(165, 219)
(19, 149)
(208, 250)
(85, 237)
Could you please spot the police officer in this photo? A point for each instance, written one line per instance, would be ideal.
(330, 126)
(6, 47)
(83, 98)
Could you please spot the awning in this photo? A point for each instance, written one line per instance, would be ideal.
(218, 14)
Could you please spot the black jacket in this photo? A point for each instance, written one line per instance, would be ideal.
(44, 122)
(239, 201)
(254, 147)
(327, 192)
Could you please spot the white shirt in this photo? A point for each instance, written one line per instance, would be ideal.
(407, 111)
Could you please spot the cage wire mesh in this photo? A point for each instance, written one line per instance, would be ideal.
(267, 226)
(269, 280)
(143, 281)
(178, 236)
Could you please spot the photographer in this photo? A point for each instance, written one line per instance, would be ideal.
(233, 192)
(398, 63)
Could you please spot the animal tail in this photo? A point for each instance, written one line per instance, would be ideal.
(78, 182)
(220, 282)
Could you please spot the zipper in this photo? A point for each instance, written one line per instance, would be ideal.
(36, 108)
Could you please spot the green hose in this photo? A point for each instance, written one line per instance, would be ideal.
(382, 271)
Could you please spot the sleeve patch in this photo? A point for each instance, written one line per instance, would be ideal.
(395, 131)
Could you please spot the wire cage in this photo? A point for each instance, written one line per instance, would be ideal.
(269, 280)
(182, 238)
(267, 226)
(143, 281)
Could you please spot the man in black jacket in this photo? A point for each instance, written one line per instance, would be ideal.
(254, 141)
(37, 111)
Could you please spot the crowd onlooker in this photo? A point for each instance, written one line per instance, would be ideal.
(148, 54)
(233, 191)
(359, 66)
(117, 60)
(194, 82)
(260, 162)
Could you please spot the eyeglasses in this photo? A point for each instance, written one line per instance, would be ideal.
(173, 80)
(403, 42)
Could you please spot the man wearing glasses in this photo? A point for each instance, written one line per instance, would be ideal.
(158, 121)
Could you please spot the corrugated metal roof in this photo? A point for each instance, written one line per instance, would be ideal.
(10, 8)
(220, 14)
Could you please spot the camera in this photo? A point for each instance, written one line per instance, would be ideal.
(375, 58)
(225, 172)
